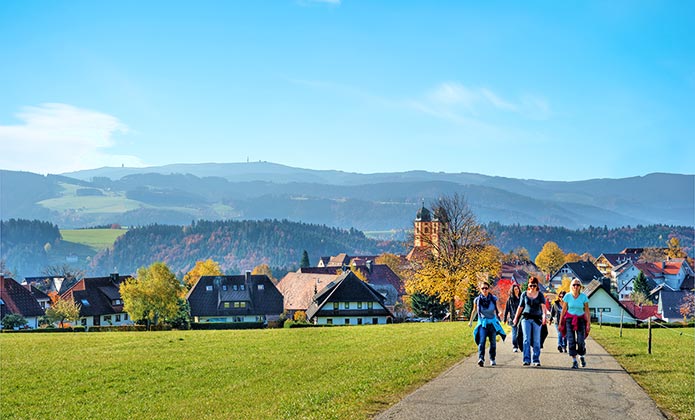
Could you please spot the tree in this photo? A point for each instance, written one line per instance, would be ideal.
(264, 269)
(12, 321)
(460, 255)
(653, 255)
(305, 260)
(300, 316)
(674, 248)
(687, 308)
(152, 295)
(518, 254)
(572, 257)
(63, 310)
(427, 306)
(201, 268)
(551, 258)
(640, 289)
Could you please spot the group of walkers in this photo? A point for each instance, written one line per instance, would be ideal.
(527, 313)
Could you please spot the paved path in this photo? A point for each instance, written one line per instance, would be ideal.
(602, 390)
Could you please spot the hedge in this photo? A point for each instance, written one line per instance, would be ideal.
(226, 325)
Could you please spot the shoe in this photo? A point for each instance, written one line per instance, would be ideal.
(564, 349)
(526, 363)
(559, 348)
(582, 360)
(575, 365)
(493, 363)
(481, 362)
(516, 350)
(537, 364)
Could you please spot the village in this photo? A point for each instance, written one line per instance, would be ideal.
(357, 290)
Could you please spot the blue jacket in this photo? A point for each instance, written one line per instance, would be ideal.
(483, 323)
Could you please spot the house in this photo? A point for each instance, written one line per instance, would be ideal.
(641, 312)
(376, 274)
(607, 263)
(51, 284)
(15, 299)
(343, 259)
(672, 272)
(669, 304)
(100, 300)
(41, 297)
(623, 277)
(238, 298)
(348, 301)
(585, 271)
(298, 289)
(604, 307)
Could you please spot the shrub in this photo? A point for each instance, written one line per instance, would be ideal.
(226, 325)
(117, 328)
(12, 321)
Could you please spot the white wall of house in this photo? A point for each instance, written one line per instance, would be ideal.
(350, 320)
(105, 320)
(602, 303)
(625, 280)
(236, 318)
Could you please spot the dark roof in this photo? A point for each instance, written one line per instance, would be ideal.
(380, 274)
(423, 215)
(688, 283)
(38, 294)
(16, 299)
(670, 303)
(96, 295)
(264, 301)
(58, 284)
(585, 271)
(347, 288)
(617, 259)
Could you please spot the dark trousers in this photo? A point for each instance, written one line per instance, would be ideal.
(576, 344)
(487, 333)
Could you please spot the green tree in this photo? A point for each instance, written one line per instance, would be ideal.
(152, 295)
(10, 321)
(471, 293)
(63, 310)
(201, 268)
(551, 258)
(640, 287)
(427, 306)
(461, 254)
(305, 260)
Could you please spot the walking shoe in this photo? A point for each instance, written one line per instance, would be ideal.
(575, 365)
(564, 349)
(583, 362)
(559, 348)
(537, 364)
(516, 350)
(481, 362)
(493, 363)
(526, 363)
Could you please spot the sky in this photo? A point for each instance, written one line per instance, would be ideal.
(547, 90)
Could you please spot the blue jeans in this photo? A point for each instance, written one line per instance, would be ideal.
(576, 339)
(515, 333)
(487, 333)
(532, 339)
(561, 341)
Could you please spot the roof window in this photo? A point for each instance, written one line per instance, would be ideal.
(85, 302)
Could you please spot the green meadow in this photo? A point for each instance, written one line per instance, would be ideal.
(311, 373)
(668, 374)
(97, 239)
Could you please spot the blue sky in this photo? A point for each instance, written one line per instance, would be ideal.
(543, 90)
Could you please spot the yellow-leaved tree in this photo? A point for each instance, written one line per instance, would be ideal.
(264, 269)
(152, 295)
(462, 254)
(201, 268)
(551, 258)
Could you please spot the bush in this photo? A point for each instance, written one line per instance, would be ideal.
(112, 328)
(226, 325)
(292, 324)
(276, 324)
(12, 321)
(47, 330)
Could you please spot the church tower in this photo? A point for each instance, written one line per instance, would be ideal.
(426, 232)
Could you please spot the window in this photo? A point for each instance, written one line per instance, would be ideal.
(370, 305)
(224, 287)
(208, 288)
(242, 304)
(359, 305)
(329, 321)
(346, 305)
(83, 321)
(261, 286)
(107, 318)
(347, 321)
(235, 287)
(359, 321)
(2, 302)
(117, 302)
(242, 287)
(226, 305)
(375, 320)
(335, 306)
(85, 302)
(118, 318)
(236, 304)
(125, 317)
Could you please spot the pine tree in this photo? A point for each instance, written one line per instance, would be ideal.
(305, 260)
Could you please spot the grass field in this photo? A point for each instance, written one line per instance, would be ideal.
(97, 239)
(326, 373)
(668, 374)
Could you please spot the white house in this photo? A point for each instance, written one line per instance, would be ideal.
(604, 307)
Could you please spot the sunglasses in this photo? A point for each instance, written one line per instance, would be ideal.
(532, 285)
(484, 288)
(576, 285)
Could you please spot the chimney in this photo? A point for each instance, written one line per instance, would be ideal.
(368, 263)
(247, 277)
(114, 277)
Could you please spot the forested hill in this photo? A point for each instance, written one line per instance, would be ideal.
(236, 245)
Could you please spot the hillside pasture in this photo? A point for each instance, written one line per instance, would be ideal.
(96, 239)
(314, 373)
(667, 373)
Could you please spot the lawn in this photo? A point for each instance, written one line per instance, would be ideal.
(317, 373)
(667, 374)
(97, 239)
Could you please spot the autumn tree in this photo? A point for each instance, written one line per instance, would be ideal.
(63, 310)
(152, 295)
(201, 268)
(572, 257)
(461, 255)
(674, 248)
(551, 258)
(305, 260)
(518, 254)
(653, 255)
(687, 308)
(264, 269)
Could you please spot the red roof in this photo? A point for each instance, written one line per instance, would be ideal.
(640, 312)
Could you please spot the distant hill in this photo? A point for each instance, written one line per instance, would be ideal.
(179, 194)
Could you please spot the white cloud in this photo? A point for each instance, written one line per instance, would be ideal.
(57, 138)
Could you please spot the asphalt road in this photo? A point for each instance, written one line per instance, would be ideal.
(601, 390)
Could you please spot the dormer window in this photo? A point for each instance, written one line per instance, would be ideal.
(261, 287)
(117, 302)
(235, 287)
(242, 287)
(208, 288)
(85, 302)
(224, 287)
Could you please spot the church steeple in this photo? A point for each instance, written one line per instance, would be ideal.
(426, 230)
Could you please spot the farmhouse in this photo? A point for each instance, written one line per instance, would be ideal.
(100, 300)
(240, 298)
(16, 299)
(585, 271)
(298, 289)
(604, 307)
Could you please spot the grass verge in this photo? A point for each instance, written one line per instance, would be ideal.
(326, 373)
(667, 374)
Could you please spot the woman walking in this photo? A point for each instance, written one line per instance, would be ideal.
(575, 322)
(510, 310)
(555, 312)
(532, 311)
(485, 306)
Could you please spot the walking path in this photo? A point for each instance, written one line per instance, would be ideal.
(602, 390)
